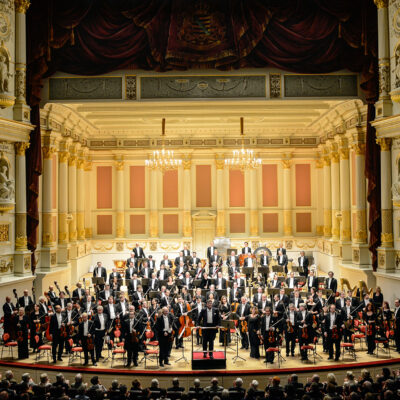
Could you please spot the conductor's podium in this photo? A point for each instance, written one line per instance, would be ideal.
(199, 362)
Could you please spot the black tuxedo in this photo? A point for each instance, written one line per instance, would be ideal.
(264, 261)
(184, 269)
(210, 251)
(58, 341)
(84, 339)
(163, 340)
(113, 275)
(229, 260)
(131, 259)
(151, 264)
(178, 260)
(282, 249)
(99, 334)
(21, 302)
(248, 250)
(8, 311)
(194, 261)
(305, 265)
(187, 282)
(166, 275)
(167, 263)
(332, 286)
(131, 346)
(332, 341)
(265, 334)
(223, 283)
(205, 283)
(154, 284)
(296, 301)
(247, 262)
(75, 294)
(131, 288)
(216, 297)
(276, 284)
(103, 273)
(209, 334)
(339, 305)
(138, 252)
(241, 283)
(186, 253)
(283, 262)
(144, 270)
(314, 283)
(130, 272)
(295, 282)
(62, 304)
(136, 300)
(103, 295)
(232, 297)
(232, 271)
(216, 258)
(107, 311)
(261, 305)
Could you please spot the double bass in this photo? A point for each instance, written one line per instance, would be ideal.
(186, 323)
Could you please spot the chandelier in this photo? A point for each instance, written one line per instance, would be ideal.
(244, 158)
(163, 160)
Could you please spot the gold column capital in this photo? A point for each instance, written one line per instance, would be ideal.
(385, 143)
(344, 153)
(72, 160)
(219, 162)
(21, 6)
(119, 165)
(187, 162)
(319, 163)
(80, 164)
(335, 156)
(286, 164)
(88, 165)
(381, 3)
(63, 156)
(327, 161)
(48, 152)
(20, 148)
(358, 148)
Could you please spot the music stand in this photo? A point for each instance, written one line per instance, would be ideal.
(153, 294)
(98, 281)
(278, 268)
(192, 273)
(222, 292)
(238, 337)
(145, 282)
(163, 283)
(196, 283)
(228, 325)
(263, 270)
(288, 291)
(178, 283)
(248, 270)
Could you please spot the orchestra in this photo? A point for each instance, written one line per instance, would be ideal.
(273, 303)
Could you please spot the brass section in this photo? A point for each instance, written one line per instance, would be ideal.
(20, 148)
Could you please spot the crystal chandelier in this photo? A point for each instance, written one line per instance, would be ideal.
(244, 158)
(163, 160)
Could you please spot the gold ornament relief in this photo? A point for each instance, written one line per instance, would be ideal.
(119, 165)
(21, 242)
(4, 232)
(88, 165)
(220, 163)
(187, 163)
(381, 3)
(63, 156)
(286, 164)
(344, 154)
(21, 6)
(358, 148)
(48, 152)
(335, 157)
(72, 161)
(20, 148)
(384, 143)
(319, 163)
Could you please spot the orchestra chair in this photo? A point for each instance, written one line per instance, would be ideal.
(76, 352)
(116, 348)
(349, 347)
(8, 344)
(44, 349)
(358, 336)
(380, 344)
(311, 349)
(150, 350)
(276, 350)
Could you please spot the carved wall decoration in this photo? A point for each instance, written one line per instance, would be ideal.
(6, 100)
(397, 65)
(53, 258)
(305, 244)
(119, 246)
(356, 255)
(289, 244)
(384, 79)
(397, 259)
(4, 232)
(5, 25)
(153, 246)
(103, 246)
(130, 87)
(381, 259)
(170, 246)
(27, 263)
(7, 185)
(188, 244)
(275, 85)
(10, 265)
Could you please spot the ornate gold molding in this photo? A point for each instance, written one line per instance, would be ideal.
(220, 163)
(21, 243)
(335, 156)
(344, 154)
(387, 239)
(119, 165)
(286, 164)
(187, 224)
(327, 161)
(381, 3)
(88, 233)
(72, 161)
(20, 148)
(21, 6)
(88, 166)
(80, 164)
(63, 156)
(319, 163)
(4, 232)
(187, 163)
(385, 143)
(48, 152)
(358, 148)
(320, 230)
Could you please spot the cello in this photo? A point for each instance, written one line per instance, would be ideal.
(186, 323)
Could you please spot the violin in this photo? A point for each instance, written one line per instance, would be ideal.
(335, 333)
(20, 336)
(304, 333)
(271, 336)
(243, 326)
(290, 327)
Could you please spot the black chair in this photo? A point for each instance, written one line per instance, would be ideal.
(195, 395)
(174, 395)
(137, 395)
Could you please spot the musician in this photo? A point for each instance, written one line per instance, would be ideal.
(235, 293)
(240, 281)
(246, 249)
(131, 261)
(56, 322)
(85, 332)
(264, 303)
(69, 323)
(314, 309)
(253, 326)
(233, 258)
(220, 282)
(187, 281)
(9, 312)
(396, 316)
(111, 310)
(264, 259)
(274, 283)
(78, 293)
(290, 330)
(331, 283)
(21, 322)
(257, 297)
(311, 282)
(106, 293)
(291, 281)
(122, 306)
(100, 326)
(249, 262)
(180, 270)
(114, 274)
(284, 298)
(278, 306)
(243, 311)
(303, 262)
(333, 327)
(138, 251)
(198, 273)
(163, 273)
(210, 251)
(198, 293)
(233, 269)
(320, 300)
(295, 299)
(166, 299)
(130, 331)
(213, 270)
(216, 258)
(151, 263)
(282, 260)
(100, 272)
(213, 292)
(43, 307)
(88, 305)
(205, 281)
(180, 309)
(186, 295)
(348, 319)
(154, 283)
(180, 259)
(280, 248)
(25, 301)
(209, 318)
(131, 271)
(268, 333)
(224, 309)
(370, 319)
(366, 301)
(36, 321)
(52, 294)
(341, 301)
(166, 262)
(144, 313)
(355, 302)
(163, 329)
(194, 260)
(185, 251)
(260, 281)
(138, 297)
(303, 323)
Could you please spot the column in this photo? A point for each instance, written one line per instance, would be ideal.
(187, 198)
(21, 249)
(253, 202)
(287, 198)
(385, 252)
(220, 164)
(120, 167)
(327, 196)
(72, 195)
(153, 203)
(383, 105)
(359, 238)
(63, 235)
(335, 177)
(345, 225)
(21, 109)
(319, 165)
(48, 238)
(88, 200)
(80, 181)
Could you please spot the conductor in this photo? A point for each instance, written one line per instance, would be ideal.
(209, 318)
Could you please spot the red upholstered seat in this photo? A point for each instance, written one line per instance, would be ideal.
(307, 347)
(358, 336)
(348, 345)
(76, 349)
(119, 351)
(272, 349)
(153, 343)
(151, 351)
(11, 344)
(44, 347)
(381, 341)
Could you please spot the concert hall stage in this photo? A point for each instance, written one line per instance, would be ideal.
(248, 370)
